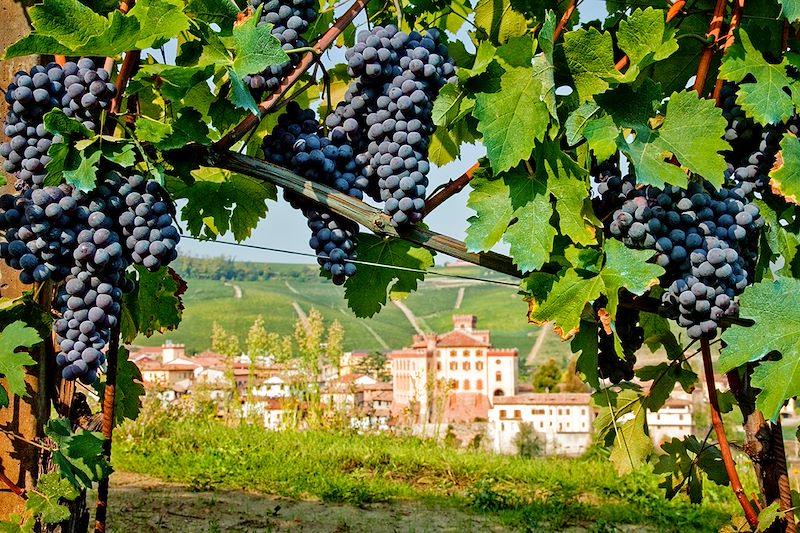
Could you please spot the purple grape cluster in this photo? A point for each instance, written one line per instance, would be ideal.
(289, 19)
(386, 114)
(81, 90)
(296, 143)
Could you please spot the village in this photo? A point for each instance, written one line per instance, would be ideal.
(455, 381)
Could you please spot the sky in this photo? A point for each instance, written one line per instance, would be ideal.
(285, 228)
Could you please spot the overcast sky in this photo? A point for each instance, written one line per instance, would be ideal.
(285, 228)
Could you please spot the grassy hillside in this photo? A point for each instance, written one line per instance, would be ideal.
(498, 308)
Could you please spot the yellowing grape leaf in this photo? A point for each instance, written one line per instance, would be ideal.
(785, 175)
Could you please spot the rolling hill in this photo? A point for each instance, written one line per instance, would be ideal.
(236, 304)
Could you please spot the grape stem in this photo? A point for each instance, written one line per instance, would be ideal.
(109, 395)
(724, 447)
(736, 18)
(129, 67)
(251, 121)
(11, 485)
(451, 188)
(562, 23)
(714, 30)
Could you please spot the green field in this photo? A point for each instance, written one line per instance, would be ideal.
(341, 468)
(498, 307)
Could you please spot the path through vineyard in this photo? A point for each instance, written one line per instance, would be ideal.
(144, 504)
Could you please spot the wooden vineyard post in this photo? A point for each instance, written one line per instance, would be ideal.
(19, 461)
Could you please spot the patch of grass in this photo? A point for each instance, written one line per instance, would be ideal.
(529, 494)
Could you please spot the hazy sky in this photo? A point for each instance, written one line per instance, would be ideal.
(285, 228)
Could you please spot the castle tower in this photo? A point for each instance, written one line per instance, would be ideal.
(465, 323)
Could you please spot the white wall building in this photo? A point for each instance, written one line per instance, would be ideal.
(563, 421)
(673, 420)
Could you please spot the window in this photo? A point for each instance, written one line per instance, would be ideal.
(583, 411)
(438, 365)
(465, 365)
(466, 384)
(497, 361)
(454, 384)
(537, 411)
(498, 376)
(559, 412)
(479, 384)
(452, 353)
(465, 353)
(479, 365)
(517, 414)
(502, 413)
(453, 365)
(541, 424)
(569, 411)
(479, 353)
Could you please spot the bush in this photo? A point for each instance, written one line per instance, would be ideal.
(528, 442)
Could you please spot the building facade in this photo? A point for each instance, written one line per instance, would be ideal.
(562, 421)
(452, 377)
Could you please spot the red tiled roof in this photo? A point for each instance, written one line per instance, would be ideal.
(498, 352)
(457, 339)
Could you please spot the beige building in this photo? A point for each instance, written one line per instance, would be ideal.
(458, 373)
(562, 421)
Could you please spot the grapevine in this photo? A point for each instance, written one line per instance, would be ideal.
(641, 177)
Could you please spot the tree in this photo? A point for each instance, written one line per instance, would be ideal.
(528, 442)
(680, 236)
(547, 376)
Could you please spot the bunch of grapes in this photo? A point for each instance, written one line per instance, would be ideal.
(611, 365)
(386, 114)
(703, 239)
(296, 143)
(81, 90)
(289, 19)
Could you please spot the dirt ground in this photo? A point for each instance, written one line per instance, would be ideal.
(141, 504)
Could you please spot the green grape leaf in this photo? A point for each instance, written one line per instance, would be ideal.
(585, 343)
(631, 443)
(160, 21)
(150, 130)
(57, 123)
(627, 268)
(782, 241)
(768, 515)
(790, 9)
(255, 48)
(79, 456)
(644, 37)
(84, 176)
(155, 305)
(565, 302)
(517, 52)
(664, 377)
(451, 105)
(567, 181)
(367, 292)
(69, 27)
(692, 132)
(43, 500)
(222, 201)
(683, 461)
(220, 11)
(773, 306)
(512, 119)
(774, 94)
(511, 197)
(240, 95)
(590, 59)
(499, 20)
(129, 391)
(785, 175)
(14, 336)
(657, 333)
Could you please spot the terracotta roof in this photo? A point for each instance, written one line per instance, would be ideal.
(544, 399)
(501, 352)
(457, 339)
(406, 353)
(380, 385)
